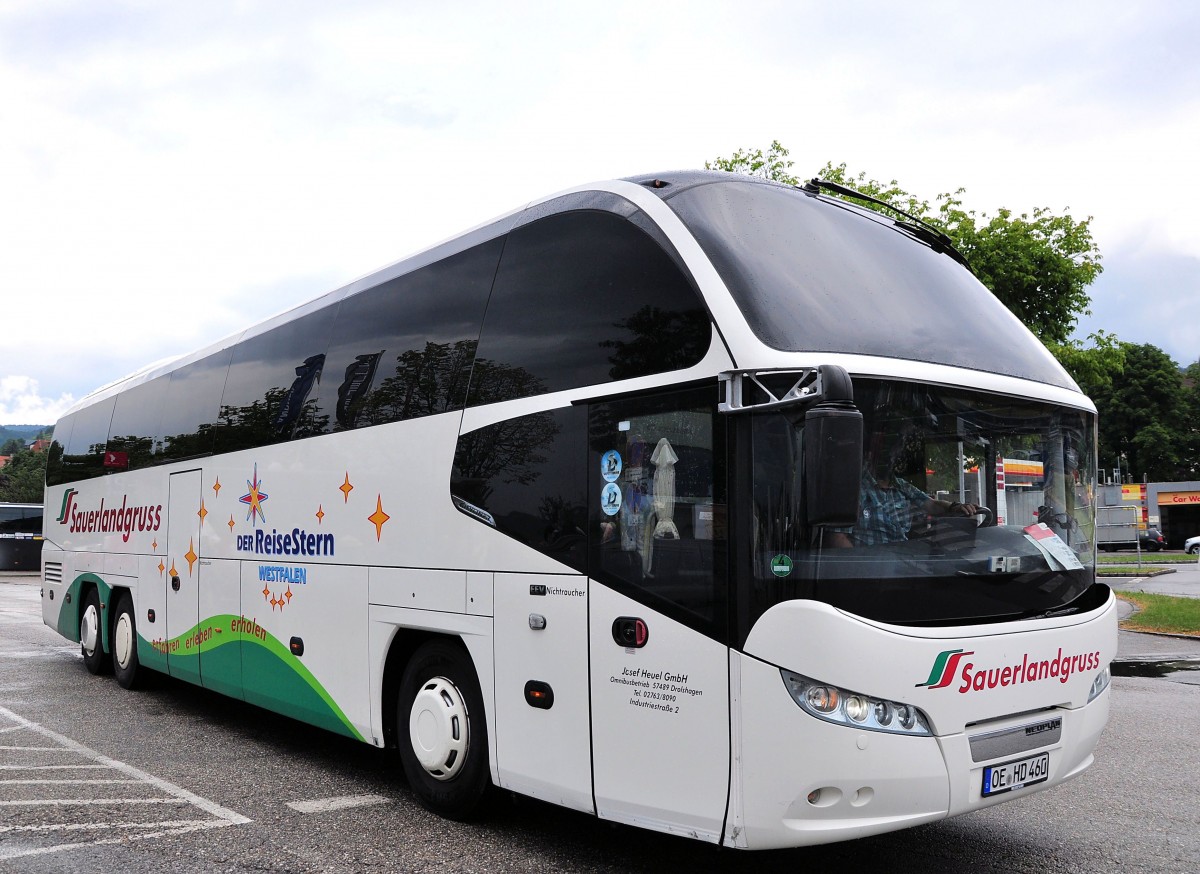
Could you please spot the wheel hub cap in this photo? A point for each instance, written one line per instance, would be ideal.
(123, 640)
(438, 729)
(89, 629)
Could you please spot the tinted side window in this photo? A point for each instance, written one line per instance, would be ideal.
(404, 349)
(274, 385)
(582, 298)
(20, 520)
(55, 474)
(658, 504)
(84, 454)
(190, 411)
(525, 476)
(135, 425)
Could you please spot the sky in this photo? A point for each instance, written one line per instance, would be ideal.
(171, 173)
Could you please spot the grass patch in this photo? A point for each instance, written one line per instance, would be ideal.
(1120, 570)
(1162, 613)
(1156, 557)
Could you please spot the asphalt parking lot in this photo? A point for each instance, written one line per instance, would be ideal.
(175, 778)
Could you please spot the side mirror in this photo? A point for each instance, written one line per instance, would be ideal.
(833, 452)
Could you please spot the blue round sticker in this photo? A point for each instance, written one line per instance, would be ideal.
(610, 499)
(610, 466)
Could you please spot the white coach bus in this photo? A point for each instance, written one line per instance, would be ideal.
(649, 499)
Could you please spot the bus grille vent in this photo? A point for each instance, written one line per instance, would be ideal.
(53, 573)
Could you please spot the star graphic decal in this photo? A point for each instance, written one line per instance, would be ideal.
(230, 523)
(217, 487)
(174, 572)
(161, 567)
(378, 517)
(154, 545)
(254, 498)
(320, 514)
(266, 593)
(288, 594)
(191, 556)
(203, 511)
(345, 488)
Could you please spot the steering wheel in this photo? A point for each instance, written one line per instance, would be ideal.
(925, 526)
(989, 517)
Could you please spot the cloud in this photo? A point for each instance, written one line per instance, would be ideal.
(1148, 296)
(22, 403)
(175, 173)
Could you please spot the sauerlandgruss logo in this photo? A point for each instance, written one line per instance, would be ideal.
(1030, 669)
(123, 520)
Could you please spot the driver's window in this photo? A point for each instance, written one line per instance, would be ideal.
(658, 502)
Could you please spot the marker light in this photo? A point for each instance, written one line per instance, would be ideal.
(857, 708)
(1099, 685)
(823, 699)
(843, 707)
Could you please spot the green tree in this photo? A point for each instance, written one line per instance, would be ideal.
(23, 479)
(1038, 264)
(1144, 418)
(773, 165)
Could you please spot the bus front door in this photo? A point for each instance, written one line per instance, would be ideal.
(660, 719)
(183, 575)
(541, 667)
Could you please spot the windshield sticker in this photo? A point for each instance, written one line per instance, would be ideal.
(781, 565)
(610, 499)
(610, 466)
(1058, 555)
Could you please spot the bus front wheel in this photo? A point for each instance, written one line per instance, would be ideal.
(89, 634)
(442, 731)
(124, 643)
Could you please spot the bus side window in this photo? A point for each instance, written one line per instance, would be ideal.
(135, 424)
(525, 477)
(56, 473)
(658, 503)
(274, 385)
(403, 349)
(83, 456)
(583, 298)
(191, 408)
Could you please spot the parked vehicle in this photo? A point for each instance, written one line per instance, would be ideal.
(1192, 545)
(1151, 540)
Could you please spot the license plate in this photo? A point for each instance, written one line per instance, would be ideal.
(1014, 775)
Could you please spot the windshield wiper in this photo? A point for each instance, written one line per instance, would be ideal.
(914, 227)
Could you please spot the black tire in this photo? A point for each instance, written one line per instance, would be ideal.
(1192, 550)
(124, 643)
(91, 623)
(441, 731)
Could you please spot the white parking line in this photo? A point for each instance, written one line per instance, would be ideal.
(177, 795)
(341, 802)
(101, 826)
(62, 782)
(87, 802)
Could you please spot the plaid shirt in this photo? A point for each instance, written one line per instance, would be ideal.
(887, 512)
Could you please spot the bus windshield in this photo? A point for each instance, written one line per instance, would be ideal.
(931, 456)
(811, 274)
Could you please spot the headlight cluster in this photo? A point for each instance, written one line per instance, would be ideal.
(850, 708)
(1099, 685)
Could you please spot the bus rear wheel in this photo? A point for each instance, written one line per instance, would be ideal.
(124, 644)
(90, 643)
(442, 731)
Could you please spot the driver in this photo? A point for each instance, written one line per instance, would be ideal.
(889, 505)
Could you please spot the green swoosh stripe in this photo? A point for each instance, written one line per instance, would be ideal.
(266, 673)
